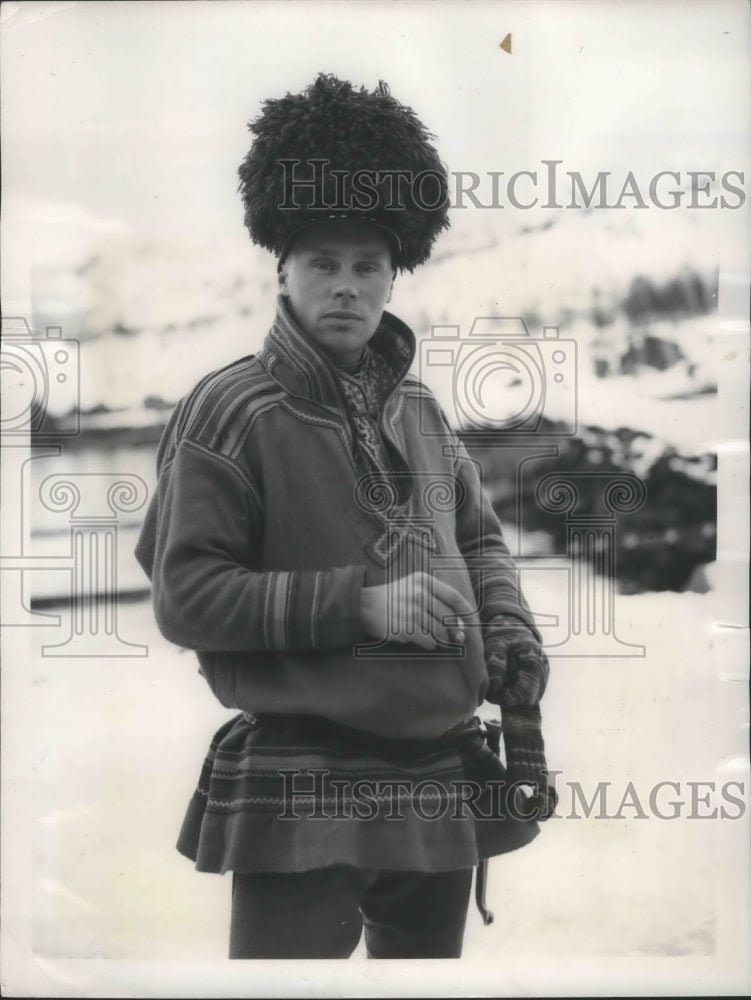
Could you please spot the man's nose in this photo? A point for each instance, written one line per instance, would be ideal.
(345, 287)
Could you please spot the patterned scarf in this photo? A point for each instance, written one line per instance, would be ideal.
(365, 387)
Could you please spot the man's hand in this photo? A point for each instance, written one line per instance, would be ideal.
(518, 667)
(415, 609)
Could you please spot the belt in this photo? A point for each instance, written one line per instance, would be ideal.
(313, 728)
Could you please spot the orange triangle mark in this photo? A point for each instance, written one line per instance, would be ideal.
(506, 43)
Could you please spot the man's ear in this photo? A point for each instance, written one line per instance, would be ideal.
(391, 289)
(282, 279)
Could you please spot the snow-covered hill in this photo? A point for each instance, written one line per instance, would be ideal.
(153, 315)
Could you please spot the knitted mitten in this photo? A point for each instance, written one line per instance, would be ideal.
(518, 670)
(525, 757)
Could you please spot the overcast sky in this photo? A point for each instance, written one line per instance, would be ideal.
(136, 111)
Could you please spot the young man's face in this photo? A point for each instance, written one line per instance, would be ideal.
(337, 278)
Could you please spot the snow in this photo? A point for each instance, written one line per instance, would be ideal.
(115, 748)
(110, 749)
(154, 314)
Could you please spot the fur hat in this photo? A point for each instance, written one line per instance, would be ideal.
(334, 151)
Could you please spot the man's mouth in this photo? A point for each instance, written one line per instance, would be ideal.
(342, 314)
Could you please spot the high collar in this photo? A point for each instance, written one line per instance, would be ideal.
(293, 360)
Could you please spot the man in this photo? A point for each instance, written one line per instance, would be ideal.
(321, 538)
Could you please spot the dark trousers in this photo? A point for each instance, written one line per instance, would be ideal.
(321, 913)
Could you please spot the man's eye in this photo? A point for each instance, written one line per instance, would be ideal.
(323, 265)
(368, 268)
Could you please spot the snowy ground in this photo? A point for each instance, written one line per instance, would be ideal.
(115, 746)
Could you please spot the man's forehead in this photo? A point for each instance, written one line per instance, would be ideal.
(361, 241)
(332, 247)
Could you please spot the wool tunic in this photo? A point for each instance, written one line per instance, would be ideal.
(282, 491)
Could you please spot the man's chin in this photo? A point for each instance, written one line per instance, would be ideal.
(342, 349)
(349, 335)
